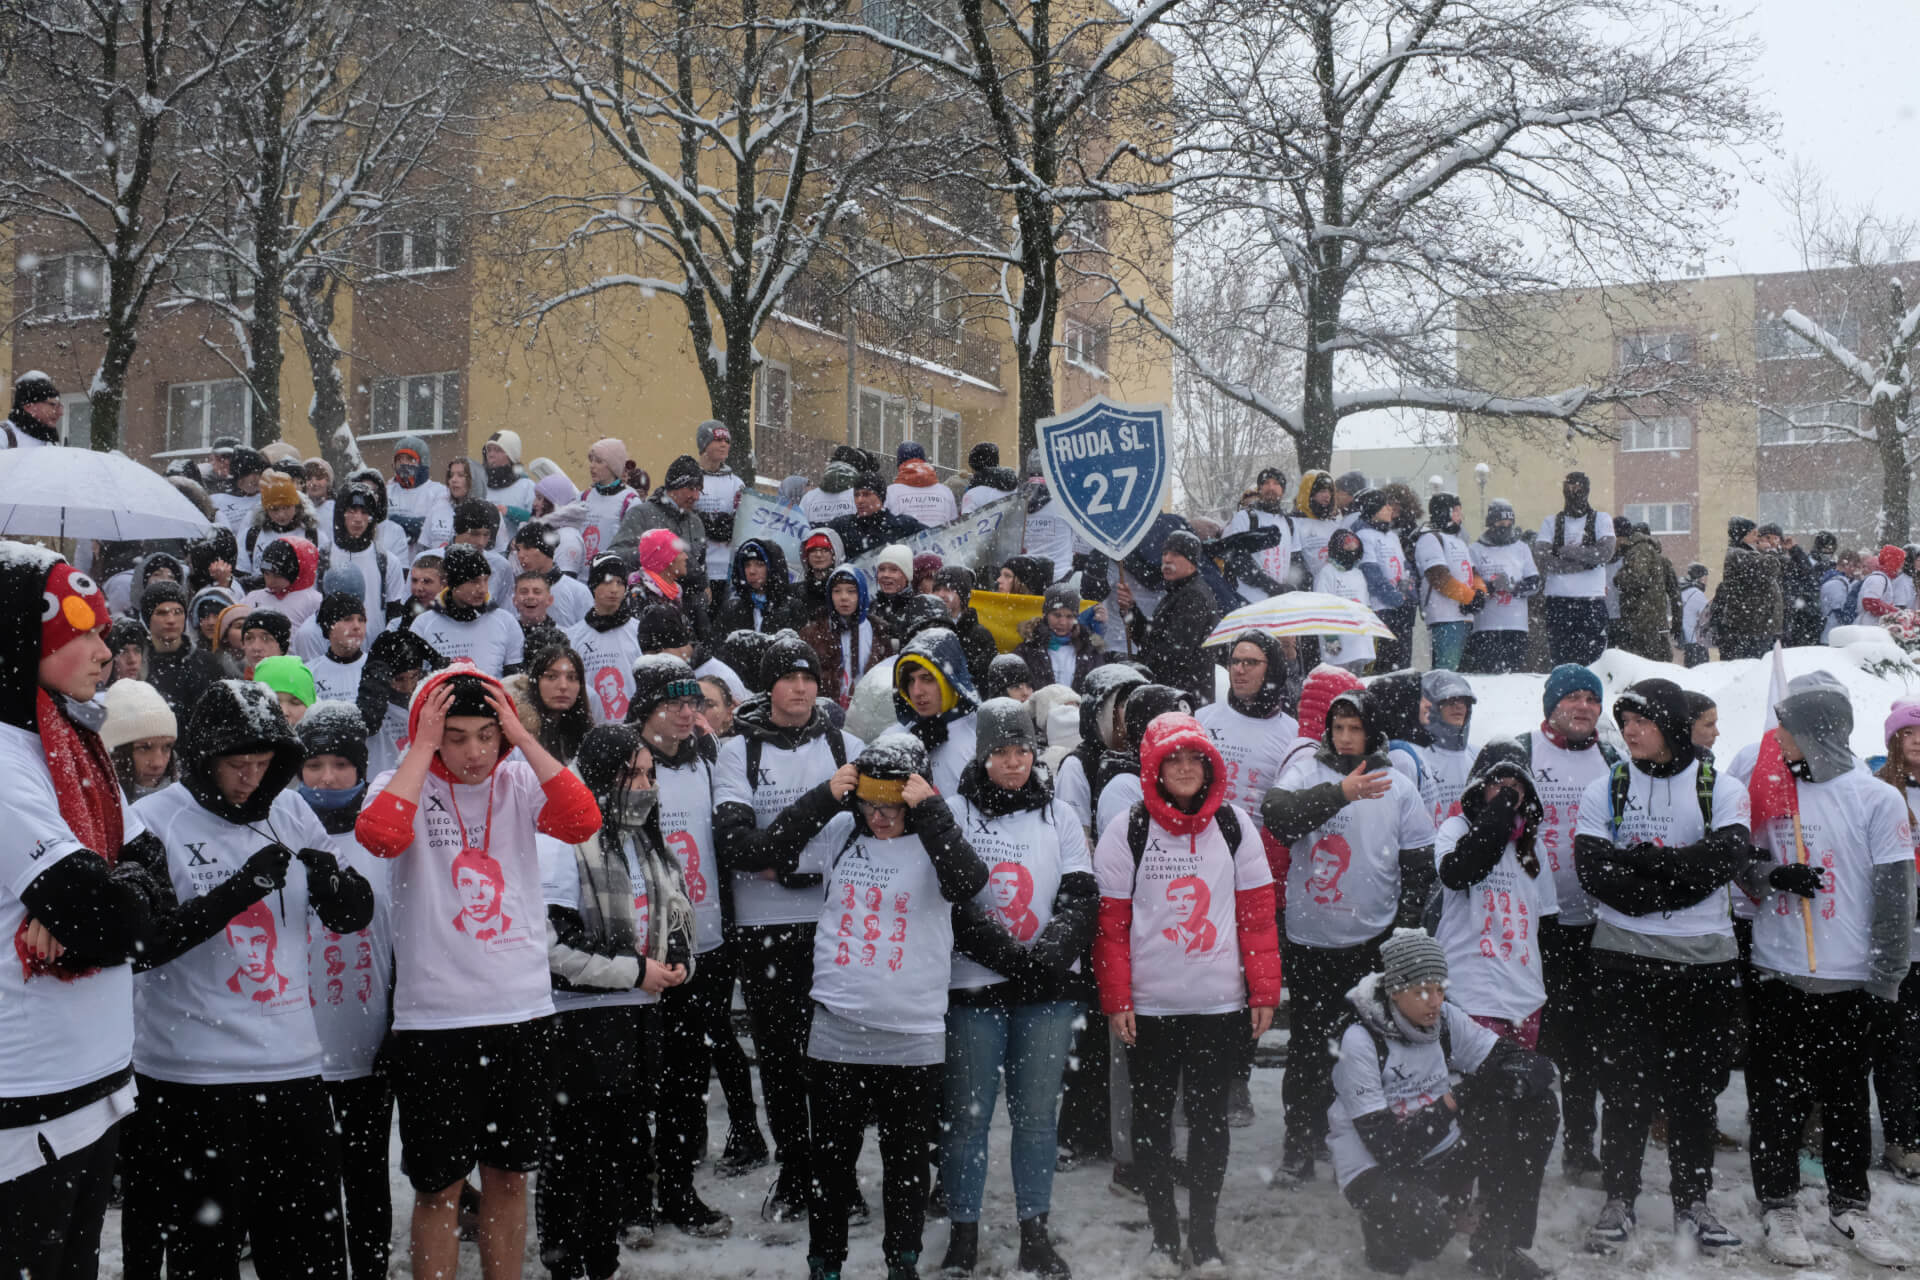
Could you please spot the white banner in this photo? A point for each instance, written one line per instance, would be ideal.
(769, 520)
(988, 535)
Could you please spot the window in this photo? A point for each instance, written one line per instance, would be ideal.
(1774, 341)
(427, 246)
(1086, 345)
(76, 419)
(885, 421)
(1664, 434)
(939, 430)
(772, 399)
(1800, 511)
(198, 412)
(423, 404)
(1661, 517)
(69, 285)
(210, 272)
(907, 20)
(1810, 424)
(913, 292)
(1641, 349)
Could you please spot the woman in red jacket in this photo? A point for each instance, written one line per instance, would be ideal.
(1188, 961)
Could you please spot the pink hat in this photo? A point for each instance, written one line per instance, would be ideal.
(1905, 715)
(658, 547)
(611, 450)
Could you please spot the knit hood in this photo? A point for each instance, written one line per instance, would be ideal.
(938, 650)
(237, 717)
(777, 588)
(1664, 703)
(1502, 759)
(366, 497)
(306, 562)
(1313, 483)
(1322, 684)
(1165, 735)
(1891, 560)
(1819, 715)
(1356, 702)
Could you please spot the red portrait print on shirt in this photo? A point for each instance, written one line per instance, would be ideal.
(612, 692)
(252, 937)
(1191, 901)
(1011, 887)
(482, 885)
(1327, 863)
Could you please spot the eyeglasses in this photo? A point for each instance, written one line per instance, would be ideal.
(873, 810)
(1244, 663)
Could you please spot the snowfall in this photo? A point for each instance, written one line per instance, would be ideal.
(1312, 1232)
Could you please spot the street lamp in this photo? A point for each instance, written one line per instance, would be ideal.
(1480, 473)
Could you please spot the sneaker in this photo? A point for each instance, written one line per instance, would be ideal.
(783, 1203)
(1869, 1239)
(638, 1234)
(746, 1151)
(1612, 1228)
(1504, 1262)
(1579, 1162)
(904, 1267)
(1126, 1180)
(818, 1270)
(1239, 1105)
(1902, 1162)
(1782, 1239)
(1701, 1223)
(1163, 1261)
(700, 1220)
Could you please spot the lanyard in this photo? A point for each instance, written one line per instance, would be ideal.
(486, 833)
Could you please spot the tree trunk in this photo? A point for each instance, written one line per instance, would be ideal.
(313, 314)
(265, 355)
(1896, 472)
(108, 394)
(1318, 419)
(1036, 392)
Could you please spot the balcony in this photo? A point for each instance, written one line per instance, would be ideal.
(821, 304)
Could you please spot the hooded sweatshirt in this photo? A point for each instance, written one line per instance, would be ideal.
(949, 735)
(834, 497)
(768, 609)
(1106, 687)
(1314, 523)
(301, 600)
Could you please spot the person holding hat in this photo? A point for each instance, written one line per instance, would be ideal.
(620, 935)
(871, 525)
(535, 544)
(466, 622)
(1573, 549)
(472, 1000)
(139, 734)
(289, 578)
(1410, 1143)
(1355, 828)
(934, 700)
(846, 639)
(1041, 899)
(413, 493)
(1831, 947)
(882, 959)
(343, 626)
(1265, 573)
(211, 560)
(1498, 644)
(264, 634)
(916, 491)
(833, 497)
(783, 746)
(1188, 967)
(284, 512)
(1657, 842)
(356, 527)
(34, 420)
(759, 595)
(1169, 643)
(893, 589)
(607, 640)
(671, 507)
(990, 481)
(350, 976)
(238, 1130)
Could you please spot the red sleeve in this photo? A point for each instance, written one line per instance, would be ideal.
(570, 813)
(1878, 608)
(1279, 862)
(1259, 945)
(1113, 955)
(385, 827)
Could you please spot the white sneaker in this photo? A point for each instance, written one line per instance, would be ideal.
(1869, 1238)
(1783, 1240)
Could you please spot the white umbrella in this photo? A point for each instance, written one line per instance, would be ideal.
(57, 492)
(1301, 613)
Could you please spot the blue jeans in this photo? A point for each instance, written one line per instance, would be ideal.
(1449, 641)
(1030, 1042)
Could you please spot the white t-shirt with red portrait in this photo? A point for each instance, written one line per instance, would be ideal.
(1343, 884)
(883, 947)
(1027, 853)
(1491, 933)
(607, 658)
(686, 824)
(350, 976)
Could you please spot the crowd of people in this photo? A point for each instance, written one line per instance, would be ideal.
(469, 795)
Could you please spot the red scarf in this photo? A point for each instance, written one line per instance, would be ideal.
(89, 792)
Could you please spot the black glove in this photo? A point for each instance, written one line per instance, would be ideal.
(1478, 602)
(136, 877)
(267, 869)
(1523, 1075)
(1501, 808)
(323, 872)
(1795, 878)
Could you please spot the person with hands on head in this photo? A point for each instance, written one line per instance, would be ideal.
(619, 935)
(227, 1048)
(883, 959)
(1409, 1144)
(1188, 963)
(471, 1014)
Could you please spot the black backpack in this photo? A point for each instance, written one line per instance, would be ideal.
(1137, 822)
(1380, 1041)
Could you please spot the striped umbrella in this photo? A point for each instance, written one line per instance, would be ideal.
(1301, 613)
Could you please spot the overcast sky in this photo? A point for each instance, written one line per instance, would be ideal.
(1840, 75)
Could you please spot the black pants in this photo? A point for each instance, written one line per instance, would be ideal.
(904, 1100)
(1744, 646)
(686, 1011)
(1085, 1116)
(1567, 1027)
(1693, 655)
(1408, 1214)
(1896, 1064)
(1193, 1057)
(1576, 629)
(217, 1156)
(596, 1148)
(1318, 980)
(1663, 1042)
(50, 1219)
(775, 963)
(1812, 1051)
(1396, 654)
(1495, 653)
(363, 1116)
(730, 1065)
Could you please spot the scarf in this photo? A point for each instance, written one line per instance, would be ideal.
(610, 621)
(606, 890)
(27, 424)
(931, 730)
(1562, 741)
(89, 792)
(611, 487)
(662, 585)
(457, 611)
(996, 801)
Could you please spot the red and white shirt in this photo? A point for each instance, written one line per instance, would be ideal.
(1343, 883)
(1491, 933)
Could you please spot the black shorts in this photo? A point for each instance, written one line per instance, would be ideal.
(472, 1095)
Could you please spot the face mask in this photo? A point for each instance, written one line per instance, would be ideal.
(410, 475)
(331, 801)
(637, 805)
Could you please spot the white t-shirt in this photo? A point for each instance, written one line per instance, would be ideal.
(784, 776)
(979, 496)
(494, 640)
(604, 511)
(1876, 586)
(54, 1035)
(1027, 854)
(470, 941)
(333, 679)
(1588, 584)
(1850, 826)
(1048, 534)
(1185, 937)
(1443, 780)
(932, 505)
(1348, 584)
(686, 825)
(1117, 798)
(951, 758)
(1445, 551)
(1311, 537)
(235, 1008)
(379, 588)
(1343, 883)
(420, 502)
(384, 748)
(518, 494)
(1252, 750)
(1665, 811)
(1276, 561)
(1416, 1077)
(571, 601)
(1490, 932)
(819, 506)
(1900, 593)
(1561, 778)
(560, 884)
(883, 948)
(351, 975)
(1503, 611)
(1070, 789)
(719, 495)
(1382, 547)
(608, 658)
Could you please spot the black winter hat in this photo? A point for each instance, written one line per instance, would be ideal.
(1501, 758)
(274, 623)
(337, 605)
(663, 627)
(248, 462)
(1344, 549)
(958, 579)
(537, 535)
(894, 756)
(33, 388)
(334, 728)
(463, 563)
(279, 558)
(683, 473)
(361, 497)
(1664, 703)
(658, 677)
(161, 592)
(1148, 702)
(475, 515)
(470, 697)
(871, 482)
(786, 654)
(1270, 473)
(606, 755)
(1031, 574)
(1061, 595)
(1006, 671)
(606, 568)
(126, 633)
(1769, 530)
(921, 612)
(1185, 543)
(1440, 511)
(1104, 684)
(217, 545)
(1738, 527)
(983, 455)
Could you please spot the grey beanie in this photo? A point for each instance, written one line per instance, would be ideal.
(1411, 958)
(1002, 722)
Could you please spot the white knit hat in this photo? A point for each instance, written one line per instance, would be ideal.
(136, 712)
(897, 555)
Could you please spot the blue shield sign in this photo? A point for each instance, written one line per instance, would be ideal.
(1109, 466)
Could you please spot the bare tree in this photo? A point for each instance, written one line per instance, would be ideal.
(95, 154)
(1411, 173)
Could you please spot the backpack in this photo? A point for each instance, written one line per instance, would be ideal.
(1849, 612)
(1617, 794)
(1607, 753)
(1380, 1041)
(1137, 822)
